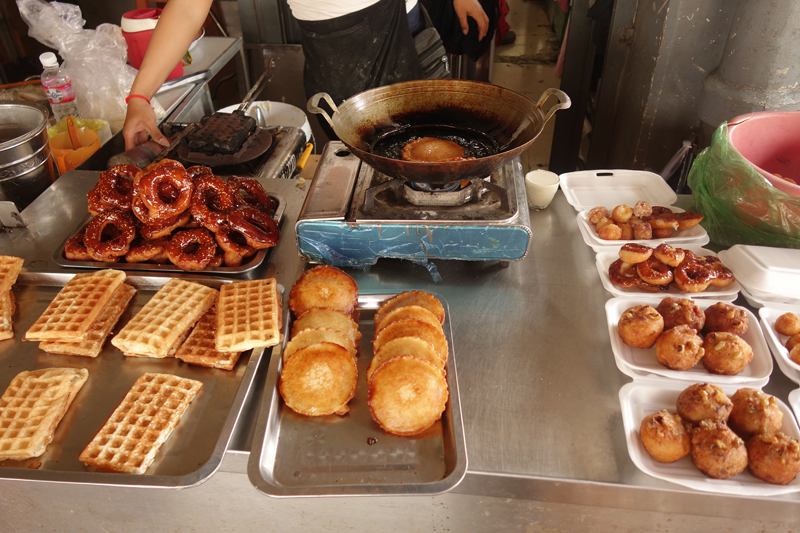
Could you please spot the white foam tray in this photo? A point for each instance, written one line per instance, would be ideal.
(768, 273)
(640, 399)
(777, 342)
(590, 188)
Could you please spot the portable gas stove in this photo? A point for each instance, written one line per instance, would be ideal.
(354, 215)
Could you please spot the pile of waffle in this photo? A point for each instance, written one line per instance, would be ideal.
(9, 271)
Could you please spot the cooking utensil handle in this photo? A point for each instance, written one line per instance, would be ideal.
(563, 102)
(313, 106)
(256, 89)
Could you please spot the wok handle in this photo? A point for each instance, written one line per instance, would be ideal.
(313, 106)
(563, 102)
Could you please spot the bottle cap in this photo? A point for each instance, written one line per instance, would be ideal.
(48, 59)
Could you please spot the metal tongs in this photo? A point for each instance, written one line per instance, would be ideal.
(256, 89)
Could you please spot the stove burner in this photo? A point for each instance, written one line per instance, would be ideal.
(435, 188)
(448, 194)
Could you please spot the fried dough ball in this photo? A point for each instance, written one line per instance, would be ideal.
(717, 451)
(643, 231)
(610, 232)
(679, 348)
(603, 222)
(726, 317)
(754, 412)
(627, 231)
(640, 326)
(665, 437)
(596, 214)
(323, 286)
(642, 209)
(681, 312)
(703, 401)
(774, 458)
(725, 353)
(621, 213)
(319, 380)
(793, 341)
(407, 395)
(788, 324)
(794, 354)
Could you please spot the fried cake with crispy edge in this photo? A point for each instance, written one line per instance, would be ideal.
(420, 298)
(407, 395)
(307, 337)
(7, 308)
(406, 312)
(405, 346)
(323, 286)
(412, 328)
(319, 380)
(319, 317)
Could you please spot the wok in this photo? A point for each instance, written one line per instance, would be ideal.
(510, 119)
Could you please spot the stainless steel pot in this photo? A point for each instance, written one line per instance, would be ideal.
(510, 119)
(26, 168)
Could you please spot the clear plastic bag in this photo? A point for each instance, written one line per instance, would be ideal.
(739, 205)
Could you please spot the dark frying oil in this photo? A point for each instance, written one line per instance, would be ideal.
(475, 144)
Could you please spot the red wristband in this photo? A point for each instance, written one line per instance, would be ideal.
(146, 99)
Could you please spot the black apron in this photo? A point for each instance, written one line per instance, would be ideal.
(363, 50)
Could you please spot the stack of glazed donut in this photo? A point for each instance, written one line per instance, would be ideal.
(641, 222)
(166, 213)
(656, 269)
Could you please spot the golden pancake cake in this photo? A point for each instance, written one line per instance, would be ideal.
(414, 312)
(319, 380)
(31, 408)
(307, 337)
(407, 395)
(248, 315)
(318, 317)
(404, 346)
(412, 328)
(141, 423)
(200, 347)
(420, 298)
(323, 286)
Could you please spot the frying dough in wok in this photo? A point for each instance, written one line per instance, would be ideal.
(433, 150)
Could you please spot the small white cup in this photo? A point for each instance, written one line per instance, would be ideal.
(541, 187)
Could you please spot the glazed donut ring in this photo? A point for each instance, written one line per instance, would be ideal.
(635, 253)
(163, 229)
(142, 250)
(721, 276)
(669, 255)
(116, 185)
(258, 228)
(688, 220)
(109, 235)
(692, 276)
(654, 272)
(96, 202)
(75, 250)
(191, 249)
(198, 171)
(622, 274)
(211, 201)
(233, 242)
(154, 190)
(255, 195)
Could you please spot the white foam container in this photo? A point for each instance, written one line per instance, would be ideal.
(604, 260)
(643, 397)
(269, 113)
(756, 374)
(777, 342)
(591, 188)
(768, 274)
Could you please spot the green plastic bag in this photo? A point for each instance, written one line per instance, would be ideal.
(739, 205)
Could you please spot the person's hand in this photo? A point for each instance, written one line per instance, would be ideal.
(140, 123)
(471, 8)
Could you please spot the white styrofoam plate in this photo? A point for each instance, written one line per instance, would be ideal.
(589, 188)
(695, 236)
(638, 400)
(794, 401)
(756, 374)
(765, 271)
(777, 342)
(604, 260)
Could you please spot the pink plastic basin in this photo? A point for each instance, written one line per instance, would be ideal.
(770, 141)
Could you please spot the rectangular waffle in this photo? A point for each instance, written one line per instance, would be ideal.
(7, 307)
(75, 308)
(92, 343)
(200, 347)
(155, 329)
(141, 423)
(248, 315)
(221, 133)
(31, 408)
(9, 270)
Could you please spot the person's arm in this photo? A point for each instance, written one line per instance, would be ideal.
(177, 27)
(471, 8)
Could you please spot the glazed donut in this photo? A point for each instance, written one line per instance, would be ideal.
(642, 285)
(642, 231)
(663, 218)
(96, 202)
(255, 195)
(721, 276)
(163, 229)
(191, 249)
(141, 212)
(635, 253)
(654, 272)
(596, 214)
(75, 250)
(692, 276)
(258, 228)
(622, 274)
(116, 185)
(199, 171)
(642, 209)
(211, 201)
(230, 240)
(142, 250)
(669, 255)
(688, 220)
(218, 260)
(157, 187)
(109, 235)
(621, 213)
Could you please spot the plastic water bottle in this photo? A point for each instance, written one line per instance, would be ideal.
(58, 88)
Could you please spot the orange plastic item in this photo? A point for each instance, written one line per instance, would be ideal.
(73, 147)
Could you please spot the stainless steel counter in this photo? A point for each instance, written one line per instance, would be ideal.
(539, 397)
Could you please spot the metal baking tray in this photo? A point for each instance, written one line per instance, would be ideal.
(195, 449)
(251, 263)
(295, 455)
